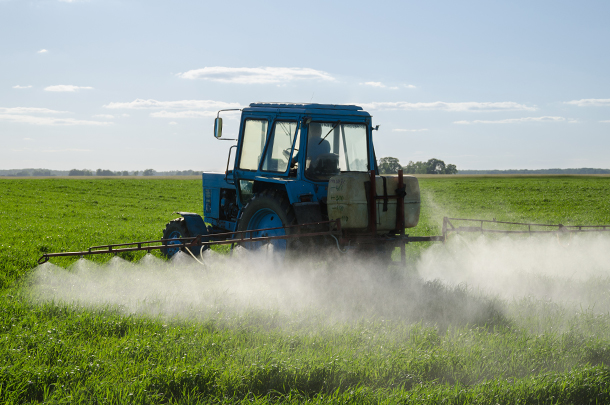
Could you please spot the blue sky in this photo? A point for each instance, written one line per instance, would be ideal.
(129, 85)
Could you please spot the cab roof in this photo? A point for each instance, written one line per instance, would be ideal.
(308, 108)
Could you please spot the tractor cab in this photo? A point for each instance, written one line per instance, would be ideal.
(297, 148)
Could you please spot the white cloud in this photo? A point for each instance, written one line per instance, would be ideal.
(31, 119)
(67, 88)
(22, 87)
(378, 85)
(441, 105)
(66, 150)
(23, 115)
(410, 86)
(605, 121)
(106, 116)
(590, 102)
(260, 75)
(173, 123)
(183, 114)
(29, 110)
(374, 84)
(409, 130)
(42, 51)
(519, 120)
(51, 150)
(140, 104)
(176, 109)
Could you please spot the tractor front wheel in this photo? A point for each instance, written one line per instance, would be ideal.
(175, 229)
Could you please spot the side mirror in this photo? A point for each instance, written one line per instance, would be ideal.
(218, 127)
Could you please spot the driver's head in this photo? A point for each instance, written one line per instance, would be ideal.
(315, 130)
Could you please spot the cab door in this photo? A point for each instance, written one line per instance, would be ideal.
(266, 148)
(282, 145)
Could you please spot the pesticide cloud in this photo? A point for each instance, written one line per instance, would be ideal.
(571, 270)
(466, 281)
(250, 285)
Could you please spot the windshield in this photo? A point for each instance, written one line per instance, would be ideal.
(335, 147)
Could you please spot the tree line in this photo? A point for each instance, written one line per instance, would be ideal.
(106, 172)
(100, 172)
(33, 172)
(147, 172)
(391, 165)
(583, 170)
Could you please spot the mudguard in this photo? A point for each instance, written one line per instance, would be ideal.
(194, 223)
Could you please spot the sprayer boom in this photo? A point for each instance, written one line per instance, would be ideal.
(450, 225)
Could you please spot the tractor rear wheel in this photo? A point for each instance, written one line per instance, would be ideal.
(175, 229)
(268, 209)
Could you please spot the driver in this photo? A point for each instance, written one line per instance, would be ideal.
(316, 146)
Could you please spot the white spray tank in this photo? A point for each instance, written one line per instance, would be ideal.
(347, 200)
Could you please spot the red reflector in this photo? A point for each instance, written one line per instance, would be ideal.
(306, 198)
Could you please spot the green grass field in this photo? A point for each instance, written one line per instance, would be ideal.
(452, 344)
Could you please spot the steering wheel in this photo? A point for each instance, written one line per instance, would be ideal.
(286, 152)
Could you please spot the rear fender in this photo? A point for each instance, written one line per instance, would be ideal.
(194, 223)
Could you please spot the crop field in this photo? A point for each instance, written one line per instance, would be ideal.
(485, 320)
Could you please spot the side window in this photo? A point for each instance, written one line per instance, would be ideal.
(280, 144)
(255, 134)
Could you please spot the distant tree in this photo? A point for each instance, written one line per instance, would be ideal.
(415, 168)
(125, 173)
(432, 166)
(136, 172)
(184, 173)
(104, 172)
(22, 173)
(451, 169)
(76, 172)
(389, 165)
(41, 172)
(149, 172)
(435, 166)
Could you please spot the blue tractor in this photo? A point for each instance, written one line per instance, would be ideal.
(286, 158)
(305, 177)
